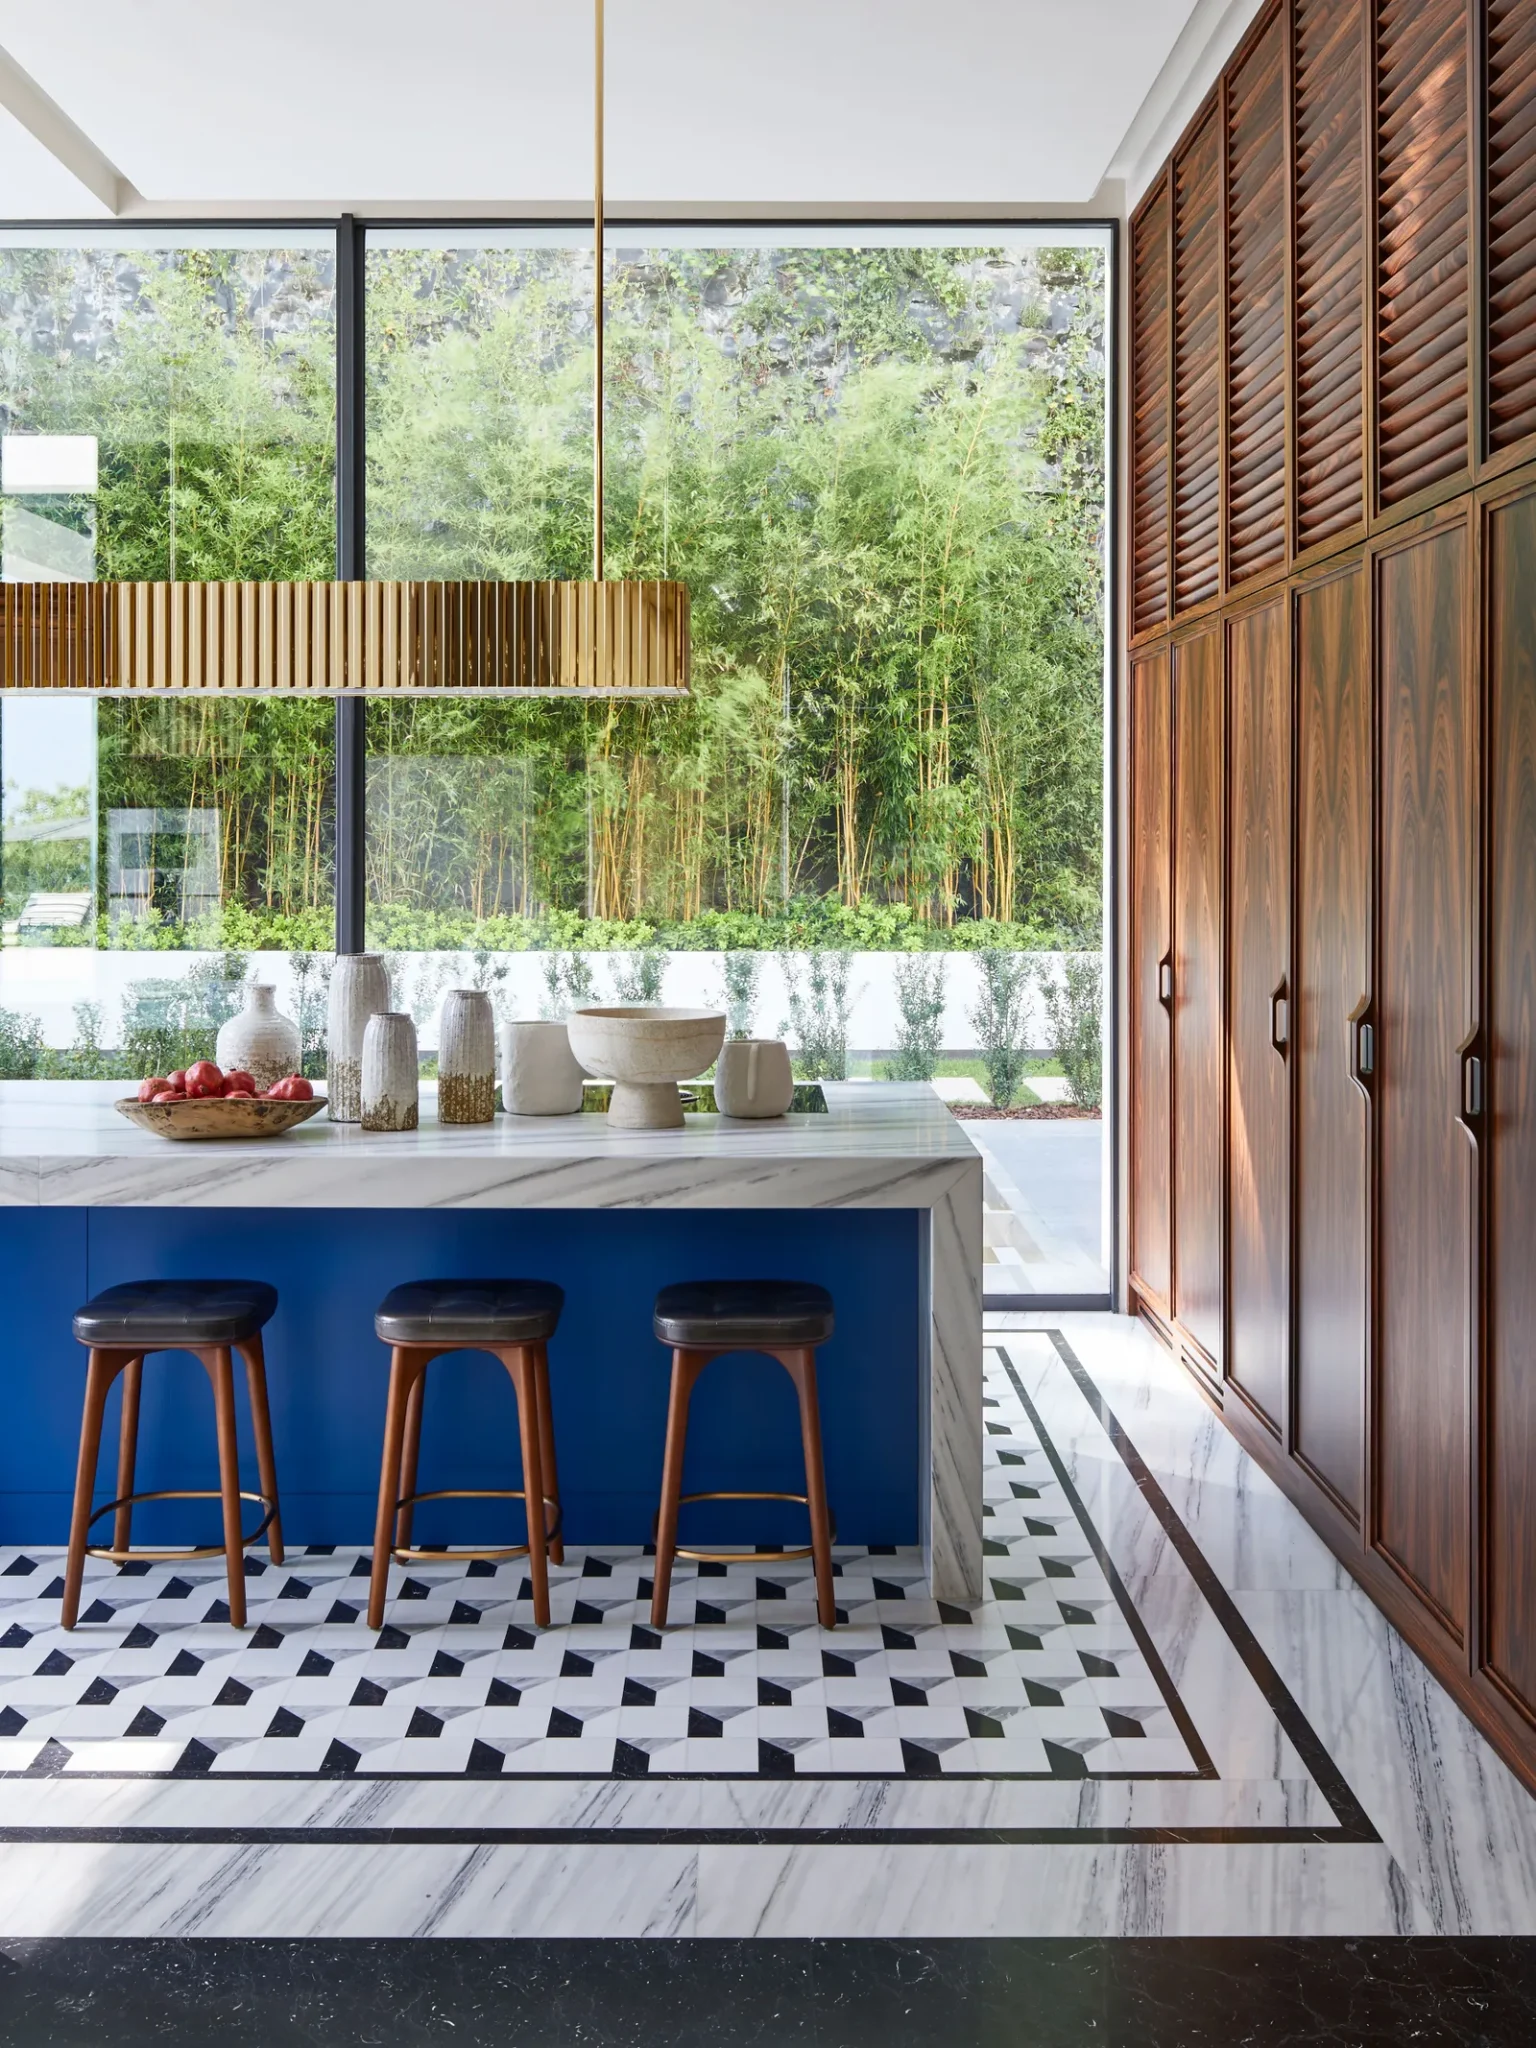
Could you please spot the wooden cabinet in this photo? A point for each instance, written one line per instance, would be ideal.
(1259, 997)
(1199, 1053)
(1151, 974)
(1425, 1012)
(1333, 981)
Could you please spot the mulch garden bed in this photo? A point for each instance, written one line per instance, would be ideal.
(1037, 1112)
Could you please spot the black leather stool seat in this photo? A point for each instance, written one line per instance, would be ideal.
(470, 1312)
(165, 1315)
(743, 1315)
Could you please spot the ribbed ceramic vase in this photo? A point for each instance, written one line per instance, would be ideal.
(466, 1058)
(359, 990)
(391, 1073)
(260, 1041)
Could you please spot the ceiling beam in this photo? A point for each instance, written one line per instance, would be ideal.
(47, 123)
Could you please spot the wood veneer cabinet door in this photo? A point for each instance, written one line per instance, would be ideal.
(1199, 1053)
(1333, 940)
(1151, 961)
(1259, 936)
(1510, 1414)
(1425, 1012)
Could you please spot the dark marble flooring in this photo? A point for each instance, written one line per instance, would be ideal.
(1202, 1993)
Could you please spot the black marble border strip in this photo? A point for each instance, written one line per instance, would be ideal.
(1282, 1703)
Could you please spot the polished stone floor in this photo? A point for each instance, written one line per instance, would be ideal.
(1313, 1846)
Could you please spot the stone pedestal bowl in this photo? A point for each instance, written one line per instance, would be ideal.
(645, 1052)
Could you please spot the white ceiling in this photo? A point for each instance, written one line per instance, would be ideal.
(155, 105)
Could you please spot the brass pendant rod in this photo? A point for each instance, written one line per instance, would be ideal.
(597, 293)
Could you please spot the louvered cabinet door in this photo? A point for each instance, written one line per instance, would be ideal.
(1425, 1010)
(1197, 367)
(1509, 1508)
(1149, 413)
(1151, 967)
(1255, 295)
(1328, 148)
(1423, 208)
(1259, 939)
(1510, 284)
(1199, 1051)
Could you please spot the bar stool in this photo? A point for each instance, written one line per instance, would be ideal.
(211, 1319)
(513, 1320)
(702, 1320)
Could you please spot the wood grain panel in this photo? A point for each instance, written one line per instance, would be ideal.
(1333, 885)
(1510, 1506)
(1199, 1053)
(1328, 103)
(1428, 712)
(1255, 293)
(1149, 413)
(1423, 200)
(1510, 282)
(1197, 366)
(1151, 938)
(1259, 936)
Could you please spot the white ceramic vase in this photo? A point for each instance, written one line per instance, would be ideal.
(260, 1041)
(359, 990)
(466, 1058)
(391, 1086)
(754, 1078)
(540, 1075)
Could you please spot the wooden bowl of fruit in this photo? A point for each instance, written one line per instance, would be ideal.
(205, 1102)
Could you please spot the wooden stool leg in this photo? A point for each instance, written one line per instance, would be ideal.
(519, 1363)
(261, 1426)
(103, 1368)
(686, 1367)
(801, 1367)
(219, 1362)
(547, 1443)
(410, 1457)
(404, 1369)
(127, 1451)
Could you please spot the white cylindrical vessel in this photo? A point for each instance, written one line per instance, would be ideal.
(391, 1075)
(540, 1075)
(359, 990)
(754, 1078)
(466, 1058)
(260, 1041)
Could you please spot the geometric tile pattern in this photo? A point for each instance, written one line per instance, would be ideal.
(1043, 1679)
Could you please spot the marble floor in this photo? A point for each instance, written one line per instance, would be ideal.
(1266, 1758)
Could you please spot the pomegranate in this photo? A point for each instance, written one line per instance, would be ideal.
(150, 1090)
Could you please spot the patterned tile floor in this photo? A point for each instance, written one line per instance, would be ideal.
(1050, 1677)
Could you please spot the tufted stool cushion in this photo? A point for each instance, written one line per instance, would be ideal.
(470, 1312)
(743, 1315)
(165, 1315)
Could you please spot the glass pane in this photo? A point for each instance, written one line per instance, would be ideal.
(880, 468)
(168, 412)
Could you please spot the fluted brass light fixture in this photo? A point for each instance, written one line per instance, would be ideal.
(545, 638)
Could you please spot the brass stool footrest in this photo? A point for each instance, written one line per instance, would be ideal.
(132, 1500)
(431, 1554)
(744, 1556)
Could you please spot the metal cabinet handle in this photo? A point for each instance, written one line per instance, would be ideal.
(1165, 979)
(1471, 1083)
(1280, 1018)
(1362, 1045)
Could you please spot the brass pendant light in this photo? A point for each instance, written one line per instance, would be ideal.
(536, 638)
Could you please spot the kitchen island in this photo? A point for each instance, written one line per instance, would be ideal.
(878, 1199)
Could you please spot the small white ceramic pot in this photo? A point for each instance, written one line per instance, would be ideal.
(391, 1073)
(540, 1075)
(754, 1078)
(466, 1058)
(260, 1041)
(359, 990)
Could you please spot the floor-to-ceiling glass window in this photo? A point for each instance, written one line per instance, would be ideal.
(167, 406)
(877, 823)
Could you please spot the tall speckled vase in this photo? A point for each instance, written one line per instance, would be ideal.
(391, 1073)
(359, 990)
(466, 1058)
(260, 1041)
